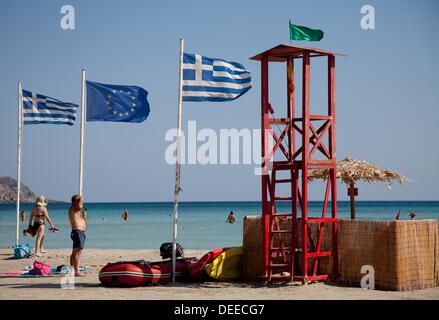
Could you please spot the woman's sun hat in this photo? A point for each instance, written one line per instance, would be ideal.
(42, 201)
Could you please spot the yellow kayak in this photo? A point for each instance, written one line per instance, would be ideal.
(227, 266)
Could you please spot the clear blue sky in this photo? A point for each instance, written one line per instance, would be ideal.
(387, 90)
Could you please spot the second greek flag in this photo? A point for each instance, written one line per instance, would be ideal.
(210, 79)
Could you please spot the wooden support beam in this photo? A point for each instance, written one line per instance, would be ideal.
(264, 152)
(305, 159)
(332, 152)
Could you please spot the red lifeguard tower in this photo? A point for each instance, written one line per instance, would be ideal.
(292, 240)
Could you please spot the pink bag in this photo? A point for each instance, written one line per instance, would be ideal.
(40, 268)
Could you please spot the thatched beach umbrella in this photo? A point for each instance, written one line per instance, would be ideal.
(351, 170)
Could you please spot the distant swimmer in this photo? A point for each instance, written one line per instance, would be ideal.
(23, 215)
(125, 214)
(231, 218)
(412, 215)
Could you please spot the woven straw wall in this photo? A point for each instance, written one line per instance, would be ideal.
(252, 248)
(404, 254)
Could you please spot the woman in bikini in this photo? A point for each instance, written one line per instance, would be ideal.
(38, 216)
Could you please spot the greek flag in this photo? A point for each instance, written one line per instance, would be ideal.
(41, 109)
(210, 79)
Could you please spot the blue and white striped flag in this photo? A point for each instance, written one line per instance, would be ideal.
(210, 79)
(42, 109)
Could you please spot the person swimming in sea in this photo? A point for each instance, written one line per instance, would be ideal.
(231, 218)
(125, 214)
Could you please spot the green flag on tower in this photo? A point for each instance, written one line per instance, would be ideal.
(305, 33)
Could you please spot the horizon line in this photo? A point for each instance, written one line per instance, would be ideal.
(217, 201)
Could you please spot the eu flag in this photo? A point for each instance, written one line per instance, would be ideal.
(118, 103)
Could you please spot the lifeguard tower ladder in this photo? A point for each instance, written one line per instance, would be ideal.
(293, 240)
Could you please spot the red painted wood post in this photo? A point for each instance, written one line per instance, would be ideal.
(264, 173)
(293, 173)
(291, 106)
(332, 151)
(305, 159)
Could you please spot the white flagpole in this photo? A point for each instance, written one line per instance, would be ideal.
(19, 134)
(81, 135)
(177, 164)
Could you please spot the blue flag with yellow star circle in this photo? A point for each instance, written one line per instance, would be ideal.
(117, 103)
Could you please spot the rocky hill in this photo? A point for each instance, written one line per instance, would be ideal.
(8, 192)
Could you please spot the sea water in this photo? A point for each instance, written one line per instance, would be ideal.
(201, 225)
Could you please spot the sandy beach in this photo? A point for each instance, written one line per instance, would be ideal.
(89, 287)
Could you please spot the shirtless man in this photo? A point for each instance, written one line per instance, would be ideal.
(78, 220)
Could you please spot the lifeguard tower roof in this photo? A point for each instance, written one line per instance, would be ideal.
(281, 52)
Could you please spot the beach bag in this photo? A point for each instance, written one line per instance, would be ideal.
(22, 251)
(40, 268)
(166, 250)
(30, 231)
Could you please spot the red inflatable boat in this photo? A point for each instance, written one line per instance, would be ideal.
(139, 273)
